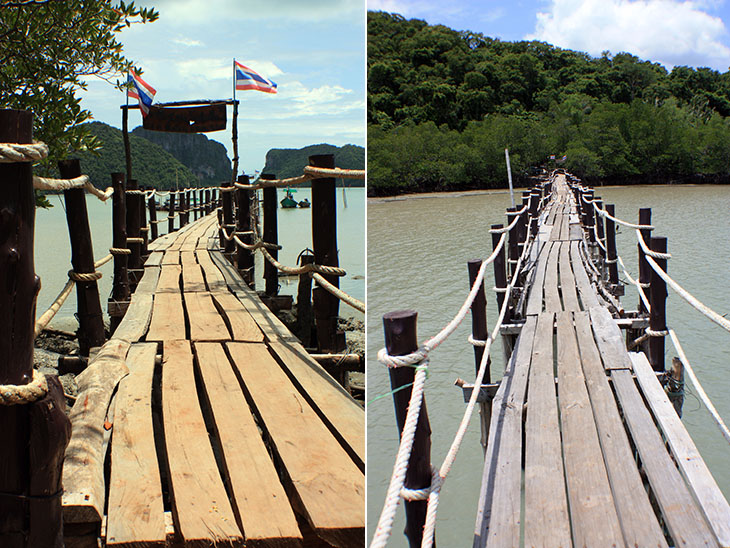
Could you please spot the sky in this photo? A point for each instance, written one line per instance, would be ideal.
(671, 32)
(314, 51)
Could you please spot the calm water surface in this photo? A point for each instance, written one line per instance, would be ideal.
(53, 251)
(417, 255)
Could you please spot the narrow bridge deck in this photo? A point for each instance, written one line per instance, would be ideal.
(584, 447)
(236, 437)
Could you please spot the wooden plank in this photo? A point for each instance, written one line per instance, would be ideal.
(239, 321)
(170, 257)
(135, 514)
(534, 300)
(213, 277)
(684, 520)
(575, 232)
(499, 509)
(567, 280)
(168, 319)
(592, 512)
(688, 458)
(638, 522)
(344, 417)
(154, 258)
(136, 320)
(609, 339)
(585, 289)
(201, 510)
(329, 485)
(169, 280)
(552, 297)
(206, 324)
(192, 274)
(83, 465)
(148, 283)
(261, 504)
(565, 225)
(546, 505)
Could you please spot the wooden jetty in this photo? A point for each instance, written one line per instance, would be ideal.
(583, 445)
(223, 431)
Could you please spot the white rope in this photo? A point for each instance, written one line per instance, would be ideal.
(506, 228)
(475, 342)
(11, 153)
(650, 252)
(82, 181)
(337, 292)
(604, 213)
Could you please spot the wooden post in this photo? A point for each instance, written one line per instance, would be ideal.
(208, 203)
(479, 333)
(152, 206)
(658, 302)
(171, 214)
(227, 224)
(144, 228)
(119, 300)
(534, 202)
(600, 231)
(401, 339)
(135, 258)
(304, 303)
(513, 243)
(271, 236)
(324, 238)
(500, 274)
(244, 258)
(125, 138)
(589, 218)
(645, 269)
(611, 246)
(91, 320)
(184, 208)
(35, 435)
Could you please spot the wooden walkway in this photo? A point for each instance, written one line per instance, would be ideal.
(234, 437)
(584, 447)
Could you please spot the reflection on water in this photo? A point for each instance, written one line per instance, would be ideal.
(417, 255)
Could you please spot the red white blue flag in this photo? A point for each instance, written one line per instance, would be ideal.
(247, 78)
(141, 91)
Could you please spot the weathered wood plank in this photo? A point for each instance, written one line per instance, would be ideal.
(239, 321)
(168, 318)
(169, 280)
(552, 297)
(213, 277)
(170, 257)
(344, 416)
(688, 458)
(609, 340)
(201, 510)
(565, 225)
(593, 515)
(567, 279)
(638, 522)
(148, 283)
(585, 289)
(261, 503)
(135, 514)
(499, 509)
(206, 324)
(192, 274)
(329, 485)
(534, 300)
(154, 258)
(83, 466)
(546, 506)
(136, 320)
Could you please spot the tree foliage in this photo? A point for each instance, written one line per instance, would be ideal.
(290, 162)
(443, 105)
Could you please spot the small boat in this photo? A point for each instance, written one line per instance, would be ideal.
(288, 200)
(304, 203)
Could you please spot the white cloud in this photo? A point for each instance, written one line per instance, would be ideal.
(323, 100)
(187, 42)
(667, 31)
(199, 11)
(220, 69)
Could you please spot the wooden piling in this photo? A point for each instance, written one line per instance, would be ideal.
(134, 264)
(589, 217)
(152, 206)
(304, 303)
(500, 273)
(208, 204)
(271, 236)
(245, 258)
(658, 303)
(401, 339)
(600, 231)
(119, 300)
(227, 207)
(534, 203)
(479, 333)
(611, 246)
(35, 435)
(645, 269)
(171, 214)
(324, 240)
(144, 228)
(91, 320)
(513, 241)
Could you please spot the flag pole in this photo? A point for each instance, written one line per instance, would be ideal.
(125, 132)
(235, 126)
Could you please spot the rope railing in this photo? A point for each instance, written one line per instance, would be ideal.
(337, 292)
(310, 172)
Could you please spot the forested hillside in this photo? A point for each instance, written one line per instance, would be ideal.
(443, 105)
(289, 162)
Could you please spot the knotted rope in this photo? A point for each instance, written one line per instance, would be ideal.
(310, 172)
(18, 394)
(337, 292)
(11, 153)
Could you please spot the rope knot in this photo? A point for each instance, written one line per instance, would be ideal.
(414, 358)
(84, 276)
(13, 394)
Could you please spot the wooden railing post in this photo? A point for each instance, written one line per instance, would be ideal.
(171, 214)
(324, 239)
(479, 333)
(658, 303)
(601, 234)
(513, 242)
(304, 303)
(228, 246)
(208, 203)
(401, 339)
(35, 435)
(184, 207)
(611, 246)
(500, 274)
(534, 212)
(645, 269)
(245, 258)
(589, 218)
(271, 236)
(119, 300)
(134, 264)
(144, 228)
(152, 206)
(91, 320)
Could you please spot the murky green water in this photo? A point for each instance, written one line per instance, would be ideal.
(53, 252)
(417, 256)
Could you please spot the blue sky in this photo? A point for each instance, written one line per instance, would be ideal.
(314, 51)
(694, 33)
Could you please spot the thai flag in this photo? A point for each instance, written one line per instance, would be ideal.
(247, 78)
(141, 91)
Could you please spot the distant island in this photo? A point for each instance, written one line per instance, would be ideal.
(289, 162)
(444, 104)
